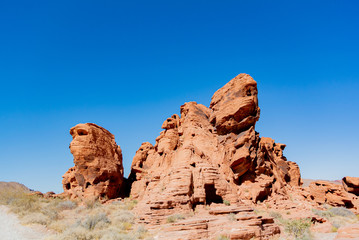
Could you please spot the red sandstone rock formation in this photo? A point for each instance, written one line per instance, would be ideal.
(351, 185)
(333, 194)
(202, 159)
(98, 170)
(211, 155)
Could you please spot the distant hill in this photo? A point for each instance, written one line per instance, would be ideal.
(13, 186)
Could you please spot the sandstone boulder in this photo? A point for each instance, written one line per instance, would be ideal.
(98, 170)
(235, 105)
(351, 185)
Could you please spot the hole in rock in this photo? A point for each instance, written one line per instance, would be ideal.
(193, 134)
(249, 92)
(348, 204)
(88, 184)
(193, 164)
(68, 186)
(211, 195)
(287, 178)
(263, 195)
(82, 132)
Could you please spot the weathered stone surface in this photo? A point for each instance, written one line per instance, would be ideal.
(348, 232)
(98, 170)
(229, 222)
(351, 185)
(325, 192)
(235, 105)
(210, 156)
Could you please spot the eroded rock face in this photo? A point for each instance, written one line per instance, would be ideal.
(351, 185)
(98, 170)
(211, 155)
(235, 105)
(333, 194)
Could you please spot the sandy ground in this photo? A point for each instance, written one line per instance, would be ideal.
(11, 229)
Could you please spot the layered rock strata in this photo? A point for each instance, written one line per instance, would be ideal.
(98, 170)
(230, 222)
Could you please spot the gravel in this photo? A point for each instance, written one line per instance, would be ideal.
(11, 229)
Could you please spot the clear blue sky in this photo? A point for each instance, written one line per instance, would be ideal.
(128, 65)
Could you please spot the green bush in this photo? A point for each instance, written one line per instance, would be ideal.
(226, 202)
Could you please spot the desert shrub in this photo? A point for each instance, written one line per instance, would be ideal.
(92, 203)
(222, 237)
(36, 218)
(275, 215)
(141, 232)
(174, 218)
(232, 217)
(324, 214)
(51, 213)
(337, 216)
(334, 211)
(66, 205)
(129, 204)
(59, 225)
(125, 226)
(123, 216)
(299, 228)
(116, 236)
(226, 202)
(73, 233)
(342, 211)
(91, 222)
